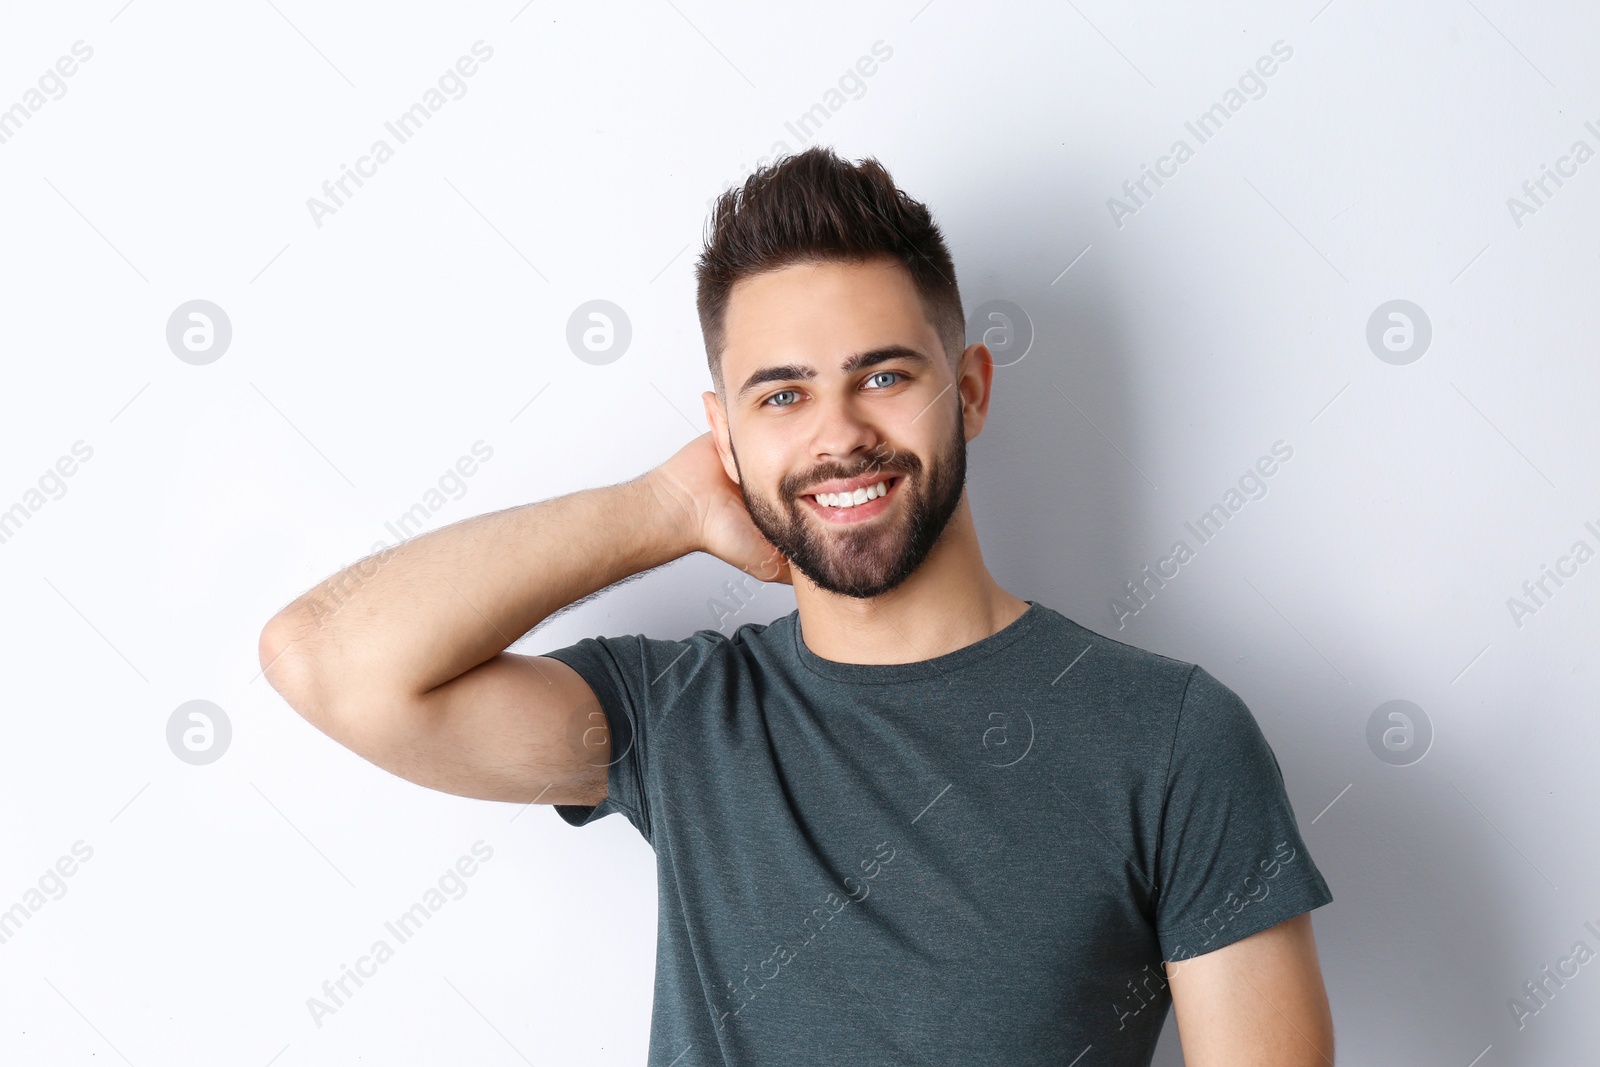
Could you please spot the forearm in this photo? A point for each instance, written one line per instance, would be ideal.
(419, 614)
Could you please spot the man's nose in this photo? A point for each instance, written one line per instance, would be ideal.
(841, 434)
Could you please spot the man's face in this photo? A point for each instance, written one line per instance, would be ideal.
(835, 380)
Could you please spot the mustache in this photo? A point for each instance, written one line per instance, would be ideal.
(890, 462)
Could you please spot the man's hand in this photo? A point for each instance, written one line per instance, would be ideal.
(1258, 1002)
(694, 484)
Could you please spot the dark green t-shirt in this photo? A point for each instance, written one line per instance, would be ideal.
(980, 858)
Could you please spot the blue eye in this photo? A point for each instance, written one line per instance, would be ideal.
(773, 401)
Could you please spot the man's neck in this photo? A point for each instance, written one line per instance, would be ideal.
(951, 601)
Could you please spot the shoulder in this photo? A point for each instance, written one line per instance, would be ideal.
(749, 635)
(1113, 668)
(744, 644)
(1172, 710)
(712, 653)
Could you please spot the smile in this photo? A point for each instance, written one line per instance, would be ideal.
(857, 506)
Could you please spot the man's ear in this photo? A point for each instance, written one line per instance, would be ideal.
(717, 418)
(974, 382)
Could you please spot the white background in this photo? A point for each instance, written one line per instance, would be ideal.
(429, 312)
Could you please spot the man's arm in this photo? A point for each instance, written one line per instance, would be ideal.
(401, 657)
(1258, 1002)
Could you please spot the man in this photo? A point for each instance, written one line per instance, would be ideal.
(918, 820)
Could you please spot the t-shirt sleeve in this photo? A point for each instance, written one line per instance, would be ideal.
(636, 680)
(1230, 859)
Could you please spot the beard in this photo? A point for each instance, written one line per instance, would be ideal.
(866, 560)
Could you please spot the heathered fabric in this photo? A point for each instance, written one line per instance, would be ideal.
(980, 858)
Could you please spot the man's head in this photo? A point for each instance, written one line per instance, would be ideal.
(834, 333)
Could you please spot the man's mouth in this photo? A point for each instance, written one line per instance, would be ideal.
(856, 505)
(850, 500)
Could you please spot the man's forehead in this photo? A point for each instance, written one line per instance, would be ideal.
(820, 313)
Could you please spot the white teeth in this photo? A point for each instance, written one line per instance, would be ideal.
(850, 500)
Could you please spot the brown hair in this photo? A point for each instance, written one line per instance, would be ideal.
(815, 206)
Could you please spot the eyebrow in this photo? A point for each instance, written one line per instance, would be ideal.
(788, 372)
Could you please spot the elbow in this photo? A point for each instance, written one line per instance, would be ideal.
(274, 641)
(288, 662)
(324, 690)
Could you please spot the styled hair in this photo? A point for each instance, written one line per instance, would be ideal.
(813, 206)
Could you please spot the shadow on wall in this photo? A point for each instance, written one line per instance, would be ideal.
(1418, 938)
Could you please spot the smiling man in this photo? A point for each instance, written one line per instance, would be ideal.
(918, 819)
